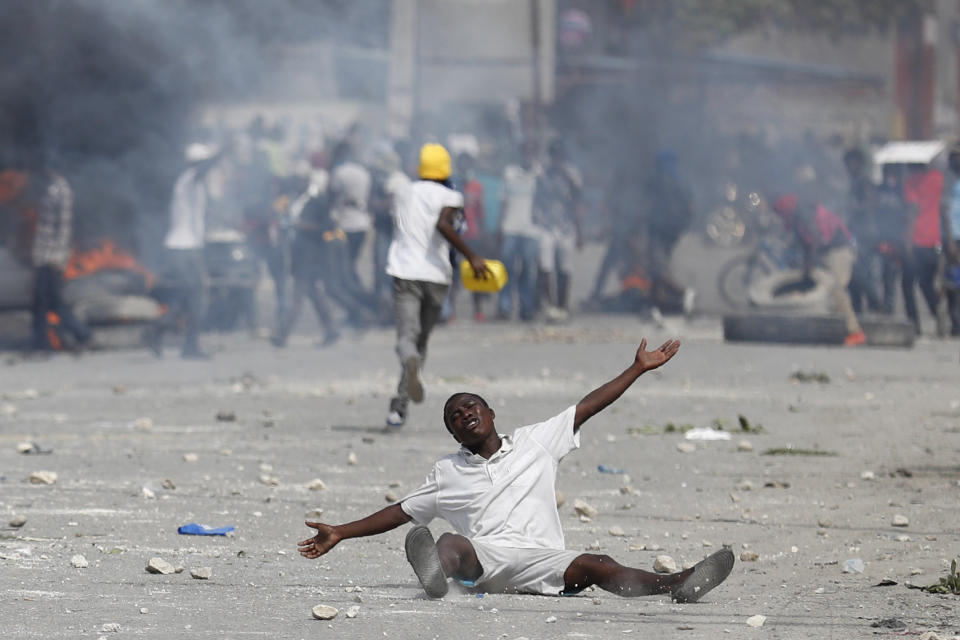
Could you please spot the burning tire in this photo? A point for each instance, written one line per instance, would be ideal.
(787, 291)
(788, 329)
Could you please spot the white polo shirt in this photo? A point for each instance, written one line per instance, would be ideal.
(418, 251)
(509, 500)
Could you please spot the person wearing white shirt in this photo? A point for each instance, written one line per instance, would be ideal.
(419, 262)
(498, 494)
(521, 245)
(350, 188)
(185, 269)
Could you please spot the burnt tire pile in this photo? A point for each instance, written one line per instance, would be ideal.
(820, 329)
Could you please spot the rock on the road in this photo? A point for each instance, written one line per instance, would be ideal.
(18, 521)
(900, 520)
(325, 612)
(79, 562)
(43, 477)
(201, 573)
(664, 564)
(584, 509)
(161, 566)
(756, 621)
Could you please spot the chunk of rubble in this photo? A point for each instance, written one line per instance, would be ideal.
(617, 531)
(744, 445)
(664, 564)
(584, 509)
(190, 457)
(390, 496)
(317, 485)
(79, 562)
(749, 556)
(18, 521)
(270, 481)
(201, 573)
(756, 621)
(686, 447)
(352, 611)
(43, 477)
(352, 458)
(325, 612)
(142, 424)
(161, 566)
(900, 520)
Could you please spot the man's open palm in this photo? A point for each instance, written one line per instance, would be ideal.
(326, 539)
(652, 359)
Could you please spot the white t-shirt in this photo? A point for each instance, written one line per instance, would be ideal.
(519, 185)
(350, 185)
(509, 500)
(418, 251)
(188, 208)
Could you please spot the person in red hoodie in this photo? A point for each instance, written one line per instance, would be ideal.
(922, 190)
(825, 239)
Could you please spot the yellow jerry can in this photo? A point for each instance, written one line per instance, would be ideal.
(493, 282)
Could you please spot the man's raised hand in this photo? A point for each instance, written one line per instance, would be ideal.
(648, 360)
(326, 539)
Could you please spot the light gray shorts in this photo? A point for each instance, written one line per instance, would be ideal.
(511, 570)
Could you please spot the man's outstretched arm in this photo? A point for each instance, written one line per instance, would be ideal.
(598, 399)
(328, 536)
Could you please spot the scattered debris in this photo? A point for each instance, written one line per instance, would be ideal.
(602, 468)
(313, 514)
(201, 573)
(868, 476)
(776, 484)
(352, 458)
(794, 451)
(226, 416)
(270, 481)
(664, 564)
(551, 619)
(706, 434)
(900, 520)
(749, 556)
(18, 521)
(584, 509)
(43, 477)
(325, 612)
(168, 484)
(194, 529)
(810, 376)
(161, 566)
(686, 447)
(594, 546)
(390, 496)
(948, 585)
(317, 485)
(853, 565)
(756, 621)
(352, 611)
(110, 627)
(190, 457)
(617, 531)
(142, 424)
(32, 448)
(886, 583)
(747, 427)
(672, 428)
(79, 562)
(8, 409)
(890, 623)
(744, 445)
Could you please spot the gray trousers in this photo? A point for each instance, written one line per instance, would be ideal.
(417, 305)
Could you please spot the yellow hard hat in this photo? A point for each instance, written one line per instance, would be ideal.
(434, 162)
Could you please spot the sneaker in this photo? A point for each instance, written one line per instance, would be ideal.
(689, 297)
(855, 339)
(422, 556)
(395, 420)
(411, 368)
(707, 574)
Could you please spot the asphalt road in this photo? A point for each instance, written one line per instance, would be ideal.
(121, 422)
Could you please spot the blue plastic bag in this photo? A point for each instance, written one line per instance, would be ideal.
(194, 529)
